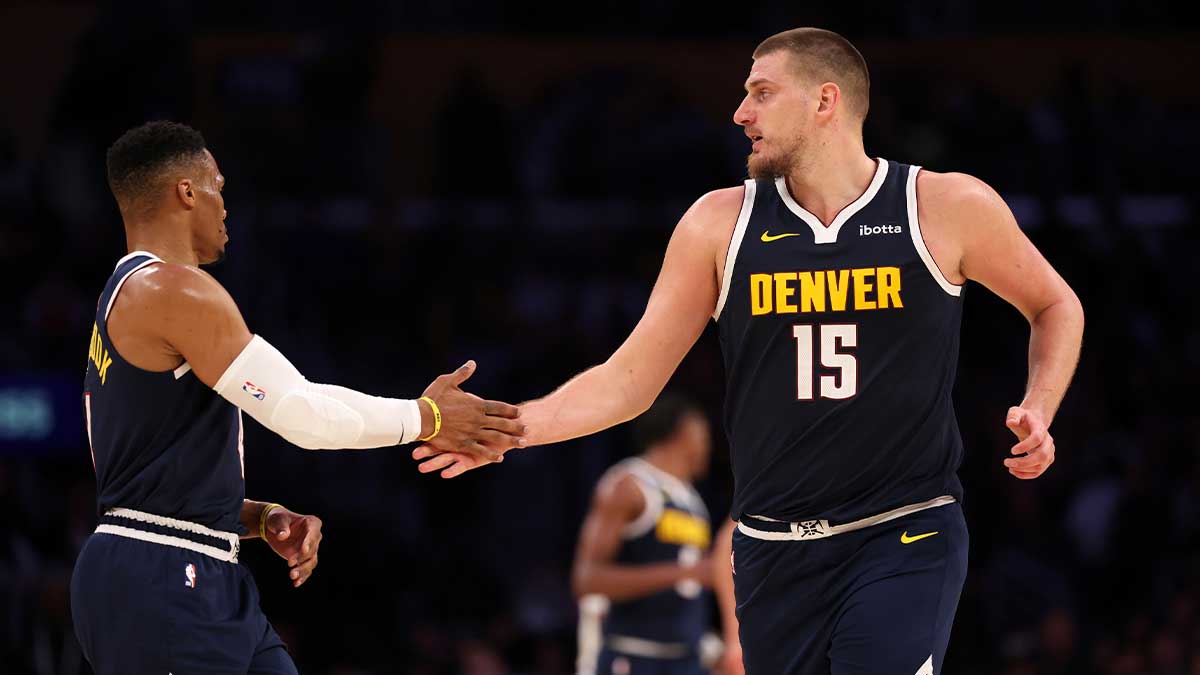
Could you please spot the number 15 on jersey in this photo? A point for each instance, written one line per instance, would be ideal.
(829, 338)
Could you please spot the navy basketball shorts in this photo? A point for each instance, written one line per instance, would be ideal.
(614, 663)
(147, 608)
(873, 601)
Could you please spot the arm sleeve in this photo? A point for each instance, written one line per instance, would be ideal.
(264, 384)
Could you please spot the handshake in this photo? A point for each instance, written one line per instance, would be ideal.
(461, 431)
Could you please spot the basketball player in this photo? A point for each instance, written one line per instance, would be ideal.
(836, 281)
(644, 547)
(171, 367)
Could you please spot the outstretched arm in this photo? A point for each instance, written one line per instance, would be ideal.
(616, 503)
(179, 312)
(624, 386)
(995, 252)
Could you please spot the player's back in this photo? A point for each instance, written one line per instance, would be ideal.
(840, 346)
(673, 527)
(163, 443)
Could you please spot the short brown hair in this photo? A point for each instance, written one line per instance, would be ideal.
(825, 56)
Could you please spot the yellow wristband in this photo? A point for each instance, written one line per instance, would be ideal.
(437, 419)
(262, 519)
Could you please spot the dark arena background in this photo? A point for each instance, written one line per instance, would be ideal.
(412, 184)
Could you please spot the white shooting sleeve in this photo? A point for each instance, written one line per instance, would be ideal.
(264, 384)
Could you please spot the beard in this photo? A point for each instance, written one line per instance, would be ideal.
(773, 165)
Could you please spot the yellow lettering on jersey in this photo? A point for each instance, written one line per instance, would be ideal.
(760, 294)
(783, 292)
(839, 286)
(682, 528)
(889, 287)
(858, 289)
(98, 355)
(862, 284)
(812, 292)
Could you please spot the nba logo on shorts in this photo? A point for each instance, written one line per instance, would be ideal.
(254, 391)
(190, 573)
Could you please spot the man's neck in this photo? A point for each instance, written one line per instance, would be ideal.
(160, 241)
(831, 179)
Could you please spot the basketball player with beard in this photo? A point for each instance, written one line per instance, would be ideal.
(837, 282)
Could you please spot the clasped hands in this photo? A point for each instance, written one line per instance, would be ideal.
(474, 431)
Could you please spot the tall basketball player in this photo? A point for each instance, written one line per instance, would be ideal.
(644, 548)
(171, 366)
(836, 280)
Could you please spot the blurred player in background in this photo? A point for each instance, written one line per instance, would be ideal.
(644, 548)
(171, 366)
(836, 280)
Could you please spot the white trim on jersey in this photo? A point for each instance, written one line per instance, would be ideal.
(806, 530)
(735, 243)
(927, 667)
(829, 235)
(182, 370)
(117, 289)
(173, 523)
(649, 516)
(680, 490)
(127, 257)
(914, 229)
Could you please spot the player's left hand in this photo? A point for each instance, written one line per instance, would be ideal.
(451, 464)
(1034, 451)
(296, 539)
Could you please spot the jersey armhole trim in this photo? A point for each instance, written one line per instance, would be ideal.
(650, 513)
(735, 243)
(918, 239)
(117, 289)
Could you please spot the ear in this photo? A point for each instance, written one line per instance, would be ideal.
(186, 193)
(829, 97)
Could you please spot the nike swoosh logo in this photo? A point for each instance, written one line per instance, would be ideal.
(905, 539)
(768, 237)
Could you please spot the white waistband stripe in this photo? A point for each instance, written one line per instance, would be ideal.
(805, 530)
(167, 540)
(650, 649)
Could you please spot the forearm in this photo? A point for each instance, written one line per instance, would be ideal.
(628, 582)
(1056, 335)
(251, 516)
(264, 384)
(592, 401)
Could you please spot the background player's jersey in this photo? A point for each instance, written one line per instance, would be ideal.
(162, 443)
(674, 527)
(840, 348)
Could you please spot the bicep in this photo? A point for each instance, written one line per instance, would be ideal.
(206, 328)
(680, 305)
(997, 254)
(613, 508)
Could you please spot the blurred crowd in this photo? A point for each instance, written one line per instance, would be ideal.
(532, 249)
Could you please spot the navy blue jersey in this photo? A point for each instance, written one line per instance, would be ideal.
(674, 527)
(840, 348)
(162, 443)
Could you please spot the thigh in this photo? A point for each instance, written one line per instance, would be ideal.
(897, 616)
(118, 606)
(785, 592)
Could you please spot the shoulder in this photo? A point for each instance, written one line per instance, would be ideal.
(956, 194)
(178, 286)
(715, 212)
(618, 493)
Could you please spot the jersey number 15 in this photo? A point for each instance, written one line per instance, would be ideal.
(834, 336)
